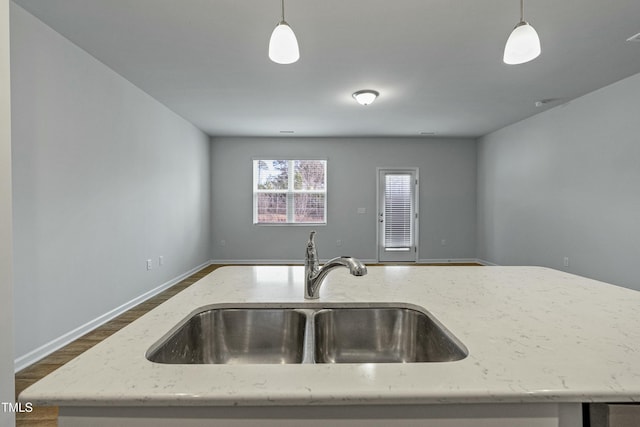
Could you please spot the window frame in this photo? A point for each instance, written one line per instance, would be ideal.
(289, 192)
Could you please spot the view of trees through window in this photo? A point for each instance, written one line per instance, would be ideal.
(289, 191)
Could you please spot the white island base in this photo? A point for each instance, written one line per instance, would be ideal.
(454, 415)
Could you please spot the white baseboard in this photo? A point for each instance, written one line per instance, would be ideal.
(48, 348)
(449, 261)
(366, 261)
(483, 262)
(272, 261)
(257, 261)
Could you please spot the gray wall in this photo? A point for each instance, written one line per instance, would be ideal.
(6, 288)
(104, 178)
(566, 183)
(447, 196)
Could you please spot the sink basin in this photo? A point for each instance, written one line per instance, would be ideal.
(381, 335)
(240, 336)
(308, 333)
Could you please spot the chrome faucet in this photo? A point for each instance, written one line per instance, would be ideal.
(314, 274)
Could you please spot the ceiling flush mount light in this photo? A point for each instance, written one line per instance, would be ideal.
(523, 44)
(283, 45)
(365, 97)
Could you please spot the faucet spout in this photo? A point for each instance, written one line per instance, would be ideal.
(355, 266)
(314, 274)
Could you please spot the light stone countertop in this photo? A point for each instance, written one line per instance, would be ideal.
(533, 334)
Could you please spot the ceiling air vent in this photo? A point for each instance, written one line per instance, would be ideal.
(546, 101)
(635, 38)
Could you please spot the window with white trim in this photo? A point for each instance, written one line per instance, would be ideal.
(289, 191)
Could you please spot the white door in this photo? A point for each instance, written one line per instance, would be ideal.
(397, 215)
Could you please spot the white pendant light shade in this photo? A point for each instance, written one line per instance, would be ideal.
(523, 45)
(283, 45)
(365, 97)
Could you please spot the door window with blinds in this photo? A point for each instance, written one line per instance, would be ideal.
(398, 210)
(397, 216)
(289, 192)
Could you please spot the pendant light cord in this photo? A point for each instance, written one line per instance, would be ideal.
(282, 10)
(521, 10)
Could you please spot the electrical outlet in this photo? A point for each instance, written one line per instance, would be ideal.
(566, 261)
(338, 242)
(149, 264)
(223, 243)
(362, 211)
(443, 242)
(160, 260)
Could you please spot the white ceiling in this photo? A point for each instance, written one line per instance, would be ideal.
(436, 63)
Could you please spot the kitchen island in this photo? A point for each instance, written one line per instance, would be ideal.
(540, 342)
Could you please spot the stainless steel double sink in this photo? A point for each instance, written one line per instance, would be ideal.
(308, 333)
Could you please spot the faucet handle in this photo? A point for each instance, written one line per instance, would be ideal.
(312, 253)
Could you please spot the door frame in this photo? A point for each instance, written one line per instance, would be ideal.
(416, 222)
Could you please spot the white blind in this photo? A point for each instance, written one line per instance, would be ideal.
(397, 212)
